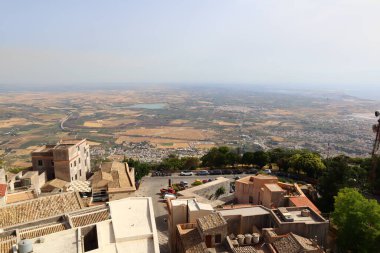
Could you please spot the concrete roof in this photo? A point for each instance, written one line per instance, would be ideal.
(247, 211)
(135, 229)
(126, 225)
(194, 205)
(192, 192)
(250, 179)
(54, 184)
(274, 188)
(19, 196)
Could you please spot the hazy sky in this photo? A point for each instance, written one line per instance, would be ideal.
(330, 43)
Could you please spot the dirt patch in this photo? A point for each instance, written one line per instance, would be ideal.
(225, 123)
(183, 133)
(112, 122)
(169, 145)
(6, 123)
(279, 112)
(21, 164)
(277, 138)
(178, 121)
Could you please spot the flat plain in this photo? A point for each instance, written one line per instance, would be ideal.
(198, 118)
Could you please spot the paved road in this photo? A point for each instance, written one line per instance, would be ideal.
(150, 187)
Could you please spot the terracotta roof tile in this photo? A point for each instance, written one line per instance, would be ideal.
(211, 221)
(39, 208)
(3, 190)
(303, 201)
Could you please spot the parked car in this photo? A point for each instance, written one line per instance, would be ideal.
(252, 171)
(215, 172)
(169, 196)
(204, 181)
(160, 174)
(203, 173)
(227, 172)
(168, 190)
(186, 173)
(184, 183)
(267, 171)
(238, 171)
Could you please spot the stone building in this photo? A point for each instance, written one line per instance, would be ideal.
(69, 160)
(115, 179)
(62, 224)
(268, 191)
(209, 232)
(181, 211)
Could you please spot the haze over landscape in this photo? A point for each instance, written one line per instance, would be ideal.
(304, 44)
(190, 126)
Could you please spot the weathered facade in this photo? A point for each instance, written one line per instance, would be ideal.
(69, 160)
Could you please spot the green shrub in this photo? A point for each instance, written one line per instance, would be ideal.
(196, 183)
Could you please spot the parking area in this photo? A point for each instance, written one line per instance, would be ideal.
(150, 187)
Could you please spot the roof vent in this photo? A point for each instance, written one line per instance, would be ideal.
(305, 212)
(25, 246)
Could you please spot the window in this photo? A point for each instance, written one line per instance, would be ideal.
(79, 160)
(80, 173)
(218, 238)
(71, 165)
(75, 163)
(76, 176)
(250, 199)
(39, 162)
(78, 148)
(52, 162)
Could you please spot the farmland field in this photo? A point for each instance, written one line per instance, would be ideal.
(191, 118)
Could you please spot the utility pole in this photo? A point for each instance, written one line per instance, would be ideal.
(376, 144)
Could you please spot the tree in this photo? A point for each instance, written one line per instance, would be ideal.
(358, 222)
(261, 158)
(339, 174)
(218, 157)
(190, 163)
(141, 168)
(308, 162)
(219, 192)
(172, 163)
(248, 158)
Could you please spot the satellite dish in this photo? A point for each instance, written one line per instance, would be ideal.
(377, 113)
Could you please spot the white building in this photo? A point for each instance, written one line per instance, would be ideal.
(125, 225)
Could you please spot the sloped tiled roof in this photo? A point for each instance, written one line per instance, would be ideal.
(41, 231)
(114, 175)
(301, 201)
(192, 241)
(6, 245)
(304, 242)
(90, 218)
(286, 244)
(39, 208)
(3, 190)
(211, 221)
(54, 184)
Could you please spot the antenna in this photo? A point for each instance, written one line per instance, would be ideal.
(376, 144)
